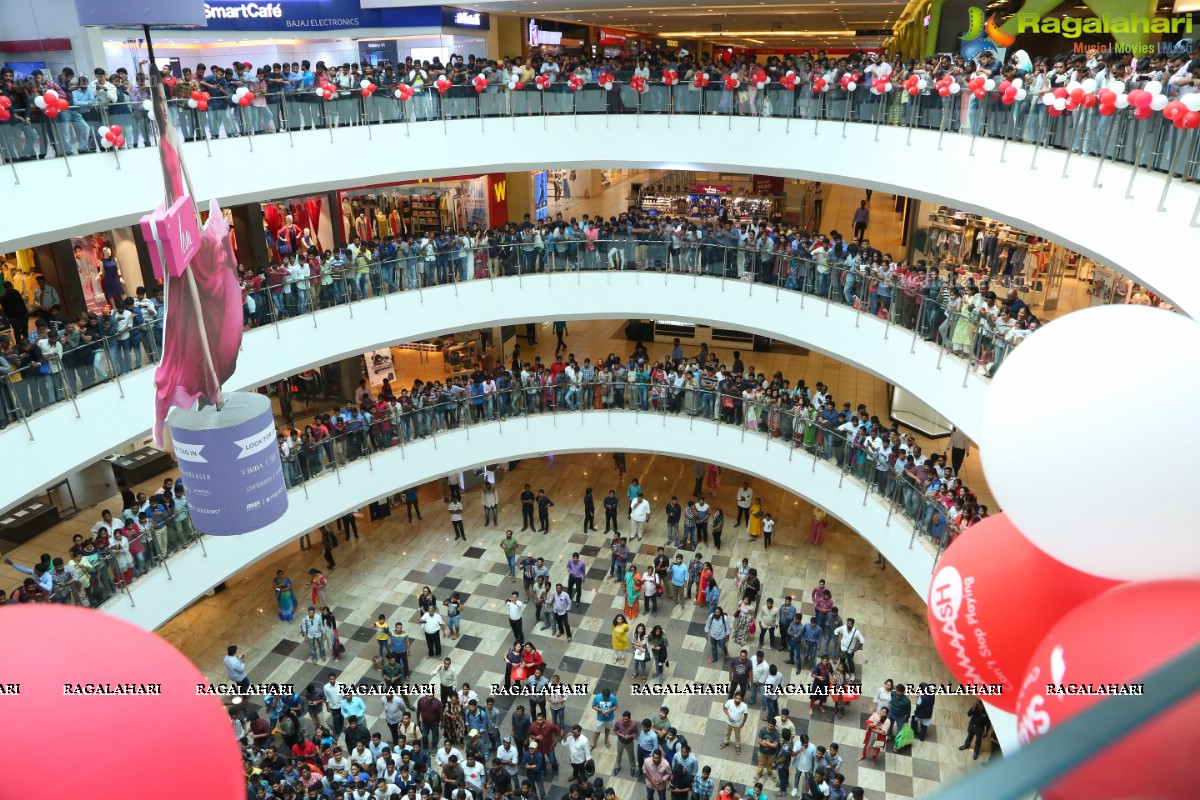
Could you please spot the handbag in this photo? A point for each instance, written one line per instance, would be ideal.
(753, 628)
(639, 654)
(589, 767)
(519, 673)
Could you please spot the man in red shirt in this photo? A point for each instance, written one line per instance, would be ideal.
(546, 735)
(276, 276)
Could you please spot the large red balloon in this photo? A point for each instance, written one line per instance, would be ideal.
(1114, 640)
(138, 741)
(993, 597)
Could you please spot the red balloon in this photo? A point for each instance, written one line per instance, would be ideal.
(1173, 109)
(1191, 120)
(51, 112)
(196, 95)
(117, 129)
(63, 103)
(1080, 649)
(1107, 109)
(5, 114)
(131, 656)
(245, 100)
(1143, 112)
(203, 105)
(520, 85)
(1077, 95)
(944, 91)
(980, 94)
(1107, 96)
(120, 141)
(985, 626)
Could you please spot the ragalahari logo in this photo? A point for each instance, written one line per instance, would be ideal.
(979, 27)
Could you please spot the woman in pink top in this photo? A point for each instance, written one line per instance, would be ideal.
(590, 235)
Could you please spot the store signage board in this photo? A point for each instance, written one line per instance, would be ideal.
(299, 16)
(541, 38)
(463, 18)
(711, 188)
(136, 13)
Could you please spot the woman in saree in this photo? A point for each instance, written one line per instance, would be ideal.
(633, 589)
(285, 597)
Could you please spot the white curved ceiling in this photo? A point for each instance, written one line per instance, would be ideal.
(1129, 234)
(111, 415)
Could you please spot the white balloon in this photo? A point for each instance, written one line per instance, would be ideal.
(1191, 101)
(1131, 514)
(191, 103)
(790, 72)
(1047, 99)
(1117, 86)
(39, 101)
(1060, 103)
(363, 84)
(105, 143)
(398, 94)
(922, 84)
(759, 85)
(989, 85)
(705, 74)
(955, 88)
(851, 86)
(148, 106)
(887, 87)
(1021, 95)
(1073, 85)
(1088, 84)
(1122, 101)
(102, 130)
(1153, 87)
(1018, 83)
(1159, 102)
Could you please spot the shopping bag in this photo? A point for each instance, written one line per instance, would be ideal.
(377, 663)
(904, 737)
(519, 673)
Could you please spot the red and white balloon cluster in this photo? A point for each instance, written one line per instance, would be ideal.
(367, 87)
(946, 86)
(515, 84)
(914, 85)
(326, 90)
(5, 106)
(404, 92)
(1012, 91)
(638, 84)
(1093, 550)
(442, 84)
(760, 78)
(980, 86)
(480, 82)
(732, 81)
(670, 77)
(701, 80)
(243, 96)
(51, 103)
(605, 79)
(819, 83)
(111, 136)
(541, 82)
(881, 82)
(849, 81)
(199, 101)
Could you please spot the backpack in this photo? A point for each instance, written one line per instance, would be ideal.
(138, 319)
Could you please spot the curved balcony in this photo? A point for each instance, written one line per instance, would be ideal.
(1038, 189)
(883, 522)
(98, 421)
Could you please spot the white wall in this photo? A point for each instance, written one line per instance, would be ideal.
(106, 421)
(1130, 235)
(158, 598)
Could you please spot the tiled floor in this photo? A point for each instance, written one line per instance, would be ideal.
(384, 570)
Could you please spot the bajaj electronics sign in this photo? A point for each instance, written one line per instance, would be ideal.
(282, 15)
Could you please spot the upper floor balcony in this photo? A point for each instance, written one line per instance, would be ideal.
(1017, 163)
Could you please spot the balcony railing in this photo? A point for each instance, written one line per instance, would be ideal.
(965, 332)
(1152, 143)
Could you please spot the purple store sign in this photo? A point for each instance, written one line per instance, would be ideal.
(230, 464)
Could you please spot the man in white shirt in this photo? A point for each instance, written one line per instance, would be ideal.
(744, 497)
(580, 751)
(849, 641)
(639, 513)
(236, 668)
(443, 756)
(432, 625)
(736, 712)
(447, 677)
(333, 701)
(455, 508)
(474, 773)
(339, 763)
(507, 755)
(516, 607)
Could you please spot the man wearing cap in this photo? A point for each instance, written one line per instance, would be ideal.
(535, 770)
(509, 757)
(476, 719)
(546, 735)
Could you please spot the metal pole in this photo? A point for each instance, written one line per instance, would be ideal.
(1139, 143)
(1071, 144)
(1179, 148)
(1104, 153)
(916, 117)
(1046, 134)
(945, 117)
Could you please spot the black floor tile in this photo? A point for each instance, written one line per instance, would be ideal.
(286, 647)
(589, 551)
(474, 552)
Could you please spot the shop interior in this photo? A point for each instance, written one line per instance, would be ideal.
(705, 197)
(411, 209)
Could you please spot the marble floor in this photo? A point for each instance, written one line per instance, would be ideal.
(383, 570)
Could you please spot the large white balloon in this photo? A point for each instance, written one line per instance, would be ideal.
(1153, 87)
(1159, 102)
(955, 88)
(1067, 449)
(1191, 101)
(1122, 101)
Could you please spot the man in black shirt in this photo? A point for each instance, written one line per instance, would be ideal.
(740, 672)
(543, 504)
(527, 509)
(673, 511)
(610, 512)
(589, 510)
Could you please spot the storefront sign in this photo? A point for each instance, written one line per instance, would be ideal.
(230, 463)
(379, 52)
(299, 16)
(711, 188)
(541, 38)
(497, 199)
(767, 184)
(461, 18)
(136, 13)
(611, 37)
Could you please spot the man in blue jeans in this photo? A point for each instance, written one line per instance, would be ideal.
(717, 630)
(795, 641)
(812, 642)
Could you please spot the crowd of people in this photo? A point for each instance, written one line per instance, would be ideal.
(924, 485)
(115, 552)
(460, 743)
(288, 96)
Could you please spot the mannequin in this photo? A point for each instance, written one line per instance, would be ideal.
(114, 290)
(347, 216)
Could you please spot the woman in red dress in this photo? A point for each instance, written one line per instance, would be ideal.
(876, 736)
(705, 576)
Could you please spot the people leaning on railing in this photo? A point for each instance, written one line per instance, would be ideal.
(290, 97)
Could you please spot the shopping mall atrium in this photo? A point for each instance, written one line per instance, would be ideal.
(331, 330)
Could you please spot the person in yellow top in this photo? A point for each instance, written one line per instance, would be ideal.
(362, 263)
(818, 528)
(756, 518)
(382, 635)
(620, 637)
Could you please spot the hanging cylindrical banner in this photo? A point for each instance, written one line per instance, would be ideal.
(230, 463)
